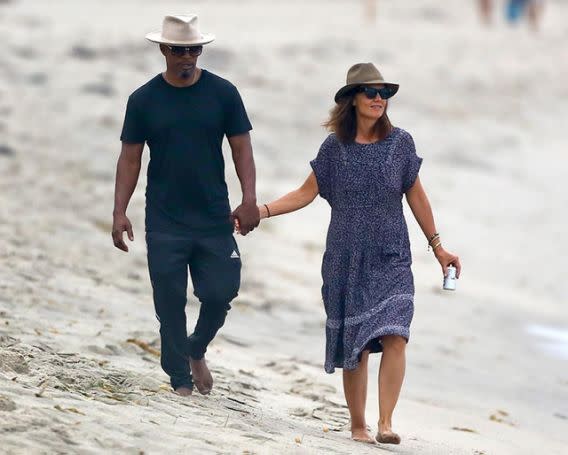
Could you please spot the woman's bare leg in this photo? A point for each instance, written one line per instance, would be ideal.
(535, 12)
(371, 10)
(355, 389)
(391, 376)
(486, 10)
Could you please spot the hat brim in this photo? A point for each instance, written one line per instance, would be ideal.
(343, 91)
(156, 37)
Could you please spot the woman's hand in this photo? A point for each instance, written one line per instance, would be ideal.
(446, 258)
(237, 225)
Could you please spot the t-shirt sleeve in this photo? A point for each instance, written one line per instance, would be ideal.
(133, 129)
(412, 162)
(322, 167)
(236, 118)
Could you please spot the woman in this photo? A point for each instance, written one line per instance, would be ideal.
(362, 169)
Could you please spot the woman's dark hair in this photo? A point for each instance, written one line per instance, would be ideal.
(343, 121)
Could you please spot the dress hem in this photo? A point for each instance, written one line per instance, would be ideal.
(335, 324)
(353, 361)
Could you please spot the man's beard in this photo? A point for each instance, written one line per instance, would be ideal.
(185, 74)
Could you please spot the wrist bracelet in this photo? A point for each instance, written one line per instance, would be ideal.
(436, 234)
(436, 246)
(434, 237)
(267, 210)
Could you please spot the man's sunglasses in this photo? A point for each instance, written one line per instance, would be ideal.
(372, 92)
(180, 51)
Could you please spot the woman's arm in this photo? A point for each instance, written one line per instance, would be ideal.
(422, 211)
(292, 201)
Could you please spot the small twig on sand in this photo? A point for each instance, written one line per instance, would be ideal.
(74, 410)
(41, 391)
(144, 346)
(237, 401)
(467, 430)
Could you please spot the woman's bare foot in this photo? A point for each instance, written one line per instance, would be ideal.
(362, 435)
(183, 391)
(387, 437)
(201, 375)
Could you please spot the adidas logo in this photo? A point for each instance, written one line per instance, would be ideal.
(235, 255)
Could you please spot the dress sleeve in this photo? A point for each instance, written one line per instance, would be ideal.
(322, 167)
(412, 162)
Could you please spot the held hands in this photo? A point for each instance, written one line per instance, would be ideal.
(263, 214)
(245, 218)
(446, 258)
(120, 224)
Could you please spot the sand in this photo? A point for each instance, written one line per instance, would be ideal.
(487, 365)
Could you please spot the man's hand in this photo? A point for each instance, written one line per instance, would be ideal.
(247, 213)
(127, 171)
(248, 217)
(120, 224)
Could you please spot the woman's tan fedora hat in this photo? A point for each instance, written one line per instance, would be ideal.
(182, 30)
(364, 74)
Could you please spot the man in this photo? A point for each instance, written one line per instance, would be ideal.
(183, 115)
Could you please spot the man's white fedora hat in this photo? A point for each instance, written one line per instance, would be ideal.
(180, 30)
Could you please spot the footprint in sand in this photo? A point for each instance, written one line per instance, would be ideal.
(7, 404)
(83, 53)
(239, 393)
(313, 390)
(282, 368)
(327, 406)
(6, 150)
(13, 362)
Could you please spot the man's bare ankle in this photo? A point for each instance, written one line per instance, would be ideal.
(184, 391)
(201, 375)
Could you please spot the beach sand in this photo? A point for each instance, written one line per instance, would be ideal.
(487, 365)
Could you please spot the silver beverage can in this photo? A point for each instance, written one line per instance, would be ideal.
(450, 279)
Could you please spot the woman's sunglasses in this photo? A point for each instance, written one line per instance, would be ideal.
(180, 51)
(372, 92)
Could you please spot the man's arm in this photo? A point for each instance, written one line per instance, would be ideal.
(127, 172)
(247, 213)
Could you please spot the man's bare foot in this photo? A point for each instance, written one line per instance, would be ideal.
(183, 391)
(362, 435)
(201, 375)
(388, 437)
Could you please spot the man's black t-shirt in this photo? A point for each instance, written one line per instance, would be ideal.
(184, 128)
